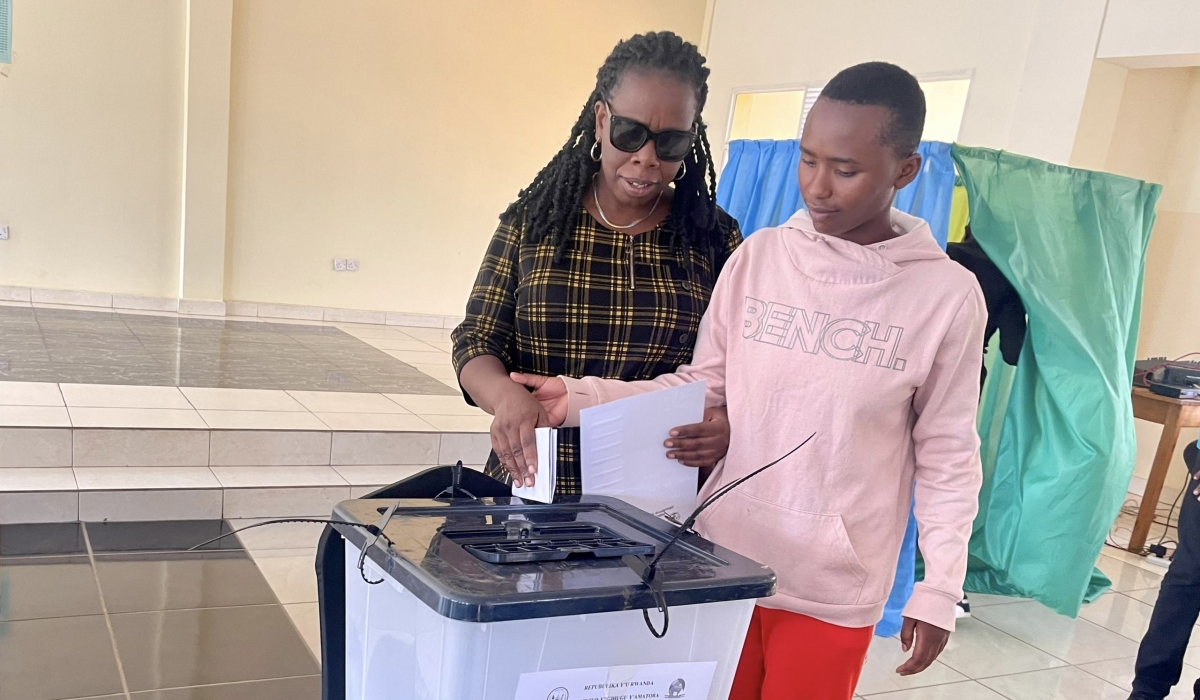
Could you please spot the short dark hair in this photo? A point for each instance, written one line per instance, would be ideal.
(884, 85)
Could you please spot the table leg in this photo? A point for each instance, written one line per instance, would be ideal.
(1154, 484)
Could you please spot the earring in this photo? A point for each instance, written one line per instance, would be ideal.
(596, 153)
(682, 171)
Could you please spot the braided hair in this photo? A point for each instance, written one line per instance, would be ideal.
(550, 205)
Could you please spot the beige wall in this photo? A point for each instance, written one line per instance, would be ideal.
(1018, 53)
(1146, 124)
(90, 146)
(396, 132)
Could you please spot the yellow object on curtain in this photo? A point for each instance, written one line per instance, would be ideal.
(959, 214)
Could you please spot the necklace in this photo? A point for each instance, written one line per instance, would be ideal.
(600, 210)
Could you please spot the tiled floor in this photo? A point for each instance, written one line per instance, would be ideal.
(56, 345)
(201, 620)
(119, 610)
(205, 408)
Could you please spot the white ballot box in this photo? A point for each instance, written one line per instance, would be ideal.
(496, 599)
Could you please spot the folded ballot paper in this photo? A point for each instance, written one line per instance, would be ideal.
(623, 454)
(542, 490)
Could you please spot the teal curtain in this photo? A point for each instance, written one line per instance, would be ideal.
(1057, 430)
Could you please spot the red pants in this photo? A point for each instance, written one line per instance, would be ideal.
(794, 657)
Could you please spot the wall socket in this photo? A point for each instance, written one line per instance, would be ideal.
(3, 232)
(345, 265)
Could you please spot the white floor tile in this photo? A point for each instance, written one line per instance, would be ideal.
(385, 448)
(136, 418)
(261, 420)
(307, 618)
(1074, 641)
(37, 479)
(123, 396)
(953, 691)
(272, 477)
(412, 357)
(197, 504)
(364, 332)
(1148, 596)
(35, 447)
(35, 416)
(1120, 674)
(426, 333)
(317, 502)
(235, 448)
(398, 342)
(415, 321)
(879, 673)
(217, 399)
(389, 422)
(1121, 614)
(1129, 577)
(38, 507)
(135, 478)
(1134, 559)
(1055, 684)
(378, 475)
(444, 372)
(470, 448)
(346, 402)
(281, 536)
(140, 448)
(425, 404)
(30, 394)
(978, 650)
(291, 573)
(460, 424)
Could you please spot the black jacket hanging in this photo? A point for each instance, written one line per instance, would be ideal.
(1006, 313)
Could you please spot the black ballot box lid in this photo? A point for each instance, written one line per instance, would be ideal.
(568, 558)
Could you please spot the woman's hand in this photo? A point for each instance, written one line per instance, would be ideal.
(701, 444)
(550, 392)
(518, 413)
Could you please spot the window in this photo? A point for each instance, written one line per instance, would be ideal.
(780, 114)
(5, 31)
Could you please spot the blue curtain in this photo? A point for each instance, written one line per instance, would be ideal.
(758, 186)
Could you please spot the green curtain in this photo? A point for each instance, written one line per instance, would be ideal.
(1057, 430)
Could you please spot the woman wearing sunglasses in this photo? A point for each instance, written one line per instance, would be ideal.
(605, 263)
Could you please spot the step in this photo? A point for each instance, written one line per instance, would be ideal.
(66, 474)
(97, 494)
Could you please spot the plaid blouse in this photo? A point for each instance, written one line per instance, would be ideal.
(615, 306)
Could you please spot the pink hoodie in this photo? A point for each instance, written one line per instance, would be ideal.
(877, 350)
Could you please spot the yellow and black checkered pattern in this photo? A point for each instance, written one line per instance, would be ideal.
(615, 306)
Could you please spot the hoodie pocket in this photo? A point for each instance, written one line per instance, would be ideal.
(810, 553)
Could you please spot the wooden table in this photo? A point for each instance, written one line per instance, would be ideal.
(1173, 415)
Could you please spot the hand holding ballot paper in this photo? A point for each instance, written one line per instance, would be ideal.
(622, 442)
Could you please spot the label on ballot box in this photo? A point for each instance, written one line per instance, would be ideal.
(649, 681)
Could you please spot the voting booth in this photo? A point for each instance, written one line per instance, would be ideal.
(497, 598)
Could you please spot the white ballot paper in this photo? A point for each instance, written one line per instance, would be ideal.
(542, 490)
(623, 454)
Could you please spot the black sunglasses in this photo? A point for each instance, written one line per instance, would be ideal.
(629, 136)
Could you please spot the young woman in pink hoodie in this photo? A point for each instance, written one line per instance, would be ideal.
(849, 322)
